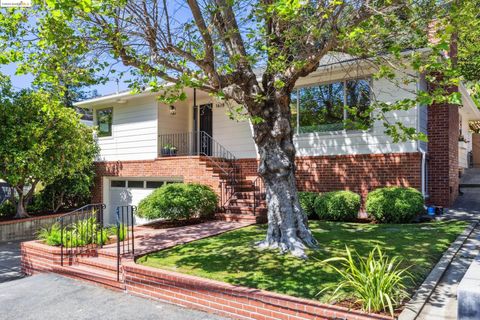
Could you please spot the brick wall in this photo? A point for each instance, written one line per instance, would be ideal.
(225, 299)
(359, 173)
(190, 169)
(443, 174)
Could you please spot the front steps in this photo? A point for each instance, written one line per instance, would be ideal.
(241, 207)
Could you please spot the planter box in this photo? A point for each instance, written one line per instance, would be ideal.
(229, 300)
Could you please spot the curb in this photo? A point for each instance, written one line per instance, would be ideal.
(421, 296)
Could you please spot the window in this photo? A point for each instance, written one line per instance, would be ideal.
(331, 107)
(118, 183)
(154, 184)
(104, 122)
(135, 184)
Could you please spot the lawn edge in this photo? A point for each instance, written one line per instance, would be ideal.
(415, 305)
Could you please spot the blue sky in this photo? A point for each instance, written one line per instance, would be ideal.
(24, 81)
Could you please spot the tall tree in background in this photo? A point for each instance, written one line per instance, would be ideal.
(219, 46)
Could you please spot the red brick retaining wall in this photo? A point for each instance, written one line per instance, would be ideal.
(38, 257)
(225, 299)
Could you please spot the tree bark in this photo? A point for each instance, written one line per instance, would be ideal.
(288, 228)
(21, 212)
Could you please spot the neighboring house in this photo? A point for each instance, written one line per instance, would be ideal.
(136, 134)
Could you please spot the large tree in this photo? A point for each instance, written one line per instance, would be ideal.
(249, 52)
(40, 141)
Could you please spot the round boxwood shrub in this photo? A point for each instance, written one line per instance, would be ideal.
(307, 202)
(179, 201)
(338, 206)
(394, 204)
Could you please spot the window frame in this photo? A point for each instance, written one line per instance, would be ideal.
(98, 125)
(345, 112)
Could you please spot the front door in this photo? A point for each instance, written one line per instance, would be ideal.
(206, 126)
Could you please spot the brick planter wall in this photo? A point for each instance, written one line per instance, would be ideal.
(360, 173)
(225, 299)
(38, 257)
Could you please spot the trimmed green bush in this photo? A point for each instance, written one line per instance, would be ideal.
(179, 201)
(394, 204)
(338, 206)
(307, 202)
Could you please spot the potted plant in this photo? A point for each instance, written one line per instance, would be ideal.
(166, 149)
(173, 150)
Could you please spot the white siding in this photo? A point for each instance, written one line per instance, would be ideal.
(235, 136)
(134, 131)
(464, 147)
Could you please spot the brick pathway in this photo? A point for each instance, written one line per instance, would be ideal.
(150, 240)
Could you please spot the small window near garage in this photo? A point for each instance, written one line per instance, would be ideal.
(135, 184)
(104, 122)
(154, 184)
(118, 183)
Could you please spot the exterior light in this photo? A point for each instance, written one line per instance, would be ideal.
(173, 110)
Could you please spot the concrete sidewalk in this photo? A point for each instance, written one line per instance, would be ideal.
(53, 297)
(442, 304)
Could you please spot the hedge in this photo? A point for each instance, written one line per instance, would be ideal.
(338, 206)
(394, 204)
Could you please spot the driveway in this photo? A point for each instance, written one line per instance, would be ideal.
(49, 296)
(10, 261)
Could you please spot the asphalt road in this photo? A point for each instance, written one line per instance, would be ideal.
(52, 297)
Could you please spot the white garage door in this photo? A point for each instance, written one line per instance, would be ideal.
(130, 192)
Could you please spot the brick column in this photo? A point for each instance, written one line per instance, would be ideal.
(443, 132)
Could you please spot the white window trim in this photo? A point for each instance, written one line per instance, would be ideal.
(297, 134)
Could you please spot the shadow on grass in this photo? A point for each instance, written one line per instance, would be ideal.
(232, 257)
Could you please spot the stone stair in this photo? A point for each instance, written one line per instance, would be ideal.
(241, 206)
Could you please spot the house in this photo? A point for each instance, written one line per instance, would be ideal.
(145, 143)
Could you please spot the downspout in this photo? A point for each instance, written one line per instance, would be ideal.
(423, 169)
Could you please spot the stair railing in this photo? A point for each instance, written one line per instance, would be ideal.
(125, 222)
(202, 144)
(81, 231)
(258, 193)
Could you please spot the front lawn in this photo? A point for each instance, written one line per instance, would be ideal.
(232, 257)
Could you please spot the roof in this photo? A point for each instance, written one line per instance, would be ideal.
(330, 60)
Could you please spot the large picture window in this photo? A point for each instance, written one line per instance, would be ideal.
(342, 105)
(104, 122)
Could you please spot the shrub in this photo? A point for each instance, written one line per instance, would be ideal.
(307, 202)
(338, 205)
(7, 209)
(377, 282)
(80, 233)
(394, 204)
(179, 201)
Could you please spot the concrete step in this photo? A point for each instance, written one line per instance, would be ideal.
(249, 195)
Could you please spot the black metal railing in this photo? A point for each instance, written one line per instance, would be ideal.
(125, 233)
(258, 193)
(202, 144)
(82, 231)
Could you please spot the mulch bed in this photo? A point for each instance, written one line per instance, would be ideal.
(175, 223)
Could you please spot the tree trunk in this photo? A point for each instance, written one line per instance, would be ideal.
(287, 224)
(21, 212)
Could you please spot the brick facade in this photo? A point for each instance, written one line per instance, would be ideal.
(190, 169)
(443, 171)
(359, 173)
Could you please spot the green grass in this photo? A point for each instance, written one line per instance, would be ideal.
(232, 257)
